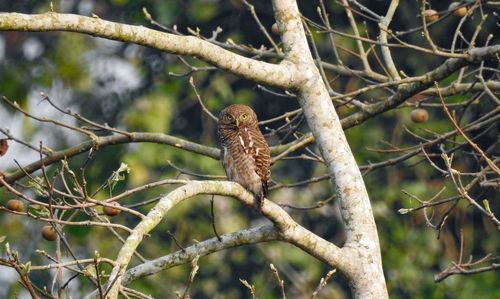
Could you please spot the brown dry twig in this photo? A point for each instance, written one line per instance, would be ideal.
(469, 267)
(459, 129)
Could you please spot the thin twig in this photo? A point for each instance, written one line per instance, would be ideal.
(212, 218)
(457, 127)
(191, 82)
(322, 283)
(280, 281)
(175, 241)
(192, 274)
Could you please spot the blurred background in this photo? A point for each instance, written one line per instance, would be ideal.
(135, 88)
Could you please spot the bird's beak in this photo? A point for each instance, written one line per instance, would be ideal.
(237, 123)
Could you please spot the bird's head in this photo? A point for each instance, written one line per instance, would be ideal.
(237, 116)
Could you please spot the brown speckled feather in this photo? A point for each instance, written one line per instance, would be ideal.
(245, 153)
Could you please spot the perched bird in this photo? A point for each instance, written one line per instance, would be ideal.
(245, 153)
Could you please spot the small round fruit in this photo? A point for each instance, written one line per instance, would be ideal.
(430, 15)
(15, 205)
(48, 233)
(460, 12)
(419, 115)
(112, 211)
(457, 11)
(275, 29)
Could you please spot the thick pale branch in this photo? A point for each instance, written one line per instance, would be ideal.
(258, 71)
(289, 230)
(363, 264)
(324, 123)
(239, 238)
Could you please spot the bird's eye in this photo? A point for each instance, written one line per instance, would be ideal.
(244, 116)
(229, 117)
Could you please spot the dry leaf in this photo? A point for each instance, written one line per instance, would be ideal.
(4, 146)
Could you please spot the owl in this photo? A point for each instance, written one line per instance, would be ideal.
(245, 154)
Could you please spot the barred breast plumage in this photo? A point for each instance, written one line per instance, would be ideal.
(244, 151)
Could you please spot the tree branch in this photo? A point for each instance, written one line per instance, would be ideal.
(386, 53)
(251, 69)
(362, 252)
(100, 142)
(243, 237)
(290, 231)
(406, 91)
(135, 137)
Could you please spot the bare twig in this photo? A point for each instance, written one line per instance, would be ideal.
(249, 286)
(474, 146)
(322, 283)
(280, 281)
(191, 82)
(212, 218)
(192, 274)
